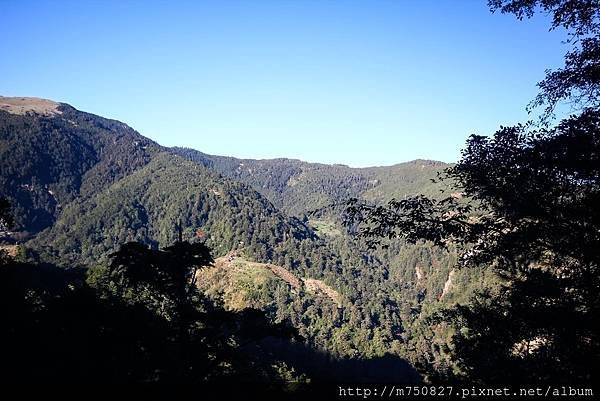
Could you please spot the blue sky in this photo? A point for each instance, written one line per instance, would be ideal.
(353, 82)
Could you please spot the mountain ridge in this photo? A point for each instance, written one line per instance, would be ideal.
(299, 187)
(81, 185)
(314, 163)
(23, 104)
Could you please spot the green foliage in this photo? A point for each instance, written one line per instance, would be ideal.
(47, 162)
(298, 188)
(60, 325)
(124, 188)
(537, 226)
(577, 81)
(316, 193)
(529, 215)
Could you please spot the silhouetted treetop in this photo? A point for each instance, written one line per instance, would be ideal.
(581, 17)
(525, 206)
(577, 82)
(172, 270)
(520, 189)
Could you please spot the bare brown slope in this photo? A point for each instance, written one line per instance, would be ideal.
(24, 105)
(233, 278)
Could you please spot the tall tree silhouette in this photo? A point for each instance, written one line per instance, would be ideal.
(527, 208)
(578, 80)
(168, 279)
(208, 343)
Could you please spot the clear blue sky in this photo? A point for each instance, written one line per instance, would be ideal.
(354, 82)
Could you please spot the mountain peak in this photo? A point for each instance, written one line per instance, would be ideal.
(24, 105)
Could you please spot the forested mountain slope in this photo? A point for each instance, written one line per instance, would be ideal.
(80, 186)
(152, 202)
(298, 187)
(47, 160)
(414, 280)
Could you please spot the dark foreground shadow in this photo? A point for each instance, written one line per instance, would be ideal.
(324, 368)
(58, 329)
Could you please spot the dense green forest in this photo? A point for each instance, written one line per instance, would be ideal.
(130, 189)
(298, 188)
(528, 212)
(99, 184)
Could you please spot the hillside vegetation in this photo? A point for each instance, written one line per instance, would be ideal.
(80, 186)
(298, 187)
